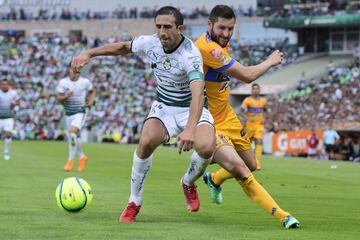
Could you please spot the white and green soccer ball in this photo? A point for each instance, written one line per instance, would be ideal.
(73, 194)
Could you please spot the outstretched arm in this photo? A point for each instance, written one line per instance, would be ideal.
(113, 49)
(251, 73)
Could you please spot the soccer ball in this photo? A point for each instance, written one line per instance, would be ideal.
(73, 194)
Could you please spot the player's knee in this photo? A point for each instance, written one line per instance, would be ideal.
(240, 170)
(205, 151)
(74, 132)
(258, 142)
(252, 166)
(146, 147)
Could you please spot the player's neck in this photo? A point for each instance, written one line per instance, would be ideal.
(176, 45)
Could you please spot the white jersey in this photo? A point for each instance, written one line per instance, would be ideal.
(76, 103)
(6, 99)
(174, 71)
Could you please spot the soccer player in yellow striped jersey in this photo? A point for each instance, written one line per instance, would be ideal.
(233, 152)
(254, 108)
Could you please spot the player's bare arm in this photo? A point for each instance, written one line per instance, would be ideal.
(90, 98)
(61, 97)
(264, 114)
(251, 73)
(113, 49)
(187, 136)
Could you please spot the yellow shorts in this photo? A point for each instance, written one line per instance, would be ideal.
(233, 135)
(255, 131)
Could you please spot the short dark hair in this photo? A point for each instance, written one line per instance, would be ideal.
(169, 10)
(255, 85)
(222, 11)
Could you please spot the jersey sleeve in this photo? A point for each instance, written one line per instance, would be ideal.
(265, 104)
(140, 44)
(89, 85)
(60, 88)
(216, 57)
(245, 104)
(193, 65)
(16, 96)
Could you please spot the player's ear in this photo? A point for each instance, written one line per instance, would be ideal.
(181, 28)
(210, 24)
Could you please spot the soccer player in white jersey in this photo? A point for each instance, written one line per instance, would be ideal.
(77, 95)
(179, 107)
(8, 100)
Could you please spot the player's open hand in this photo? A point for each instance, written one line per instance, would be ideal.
(80, 61)
(186, 139)
(89, 103)
(275, 58)
(69, 94)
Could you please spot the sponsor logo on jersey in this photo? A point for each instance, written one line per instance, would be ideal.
(216, 53)
(224, 86)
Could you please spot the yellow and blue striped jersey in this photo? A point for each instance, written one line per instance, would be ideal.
(255, 108)
(216, 59)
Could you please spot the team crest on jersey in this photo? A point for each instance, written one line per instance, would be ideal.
(167, 64)
(216, 53)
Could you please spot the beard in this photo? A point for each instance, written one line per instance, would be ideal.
(216, 38)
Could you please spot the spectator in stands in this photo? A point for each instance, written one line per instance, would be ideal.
(345, 148)
(355, 151)
(330, 138)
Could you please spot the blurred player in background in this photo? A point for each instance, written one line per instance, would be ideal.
(312, 142)
(178, 109)
(8, 100)
(233, 152)
(253, 111)
(77, 95)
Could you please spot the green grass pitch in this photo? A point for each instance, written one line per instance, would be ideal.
(325, 199)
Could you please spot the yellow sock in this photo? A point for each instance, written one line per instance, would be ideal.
(258, 154)
(220, 176)
(259, 195)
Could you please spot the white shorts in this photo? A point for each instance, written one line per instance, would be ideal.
(312, 151)
(6, 125)
(77, 120)
(175, 119)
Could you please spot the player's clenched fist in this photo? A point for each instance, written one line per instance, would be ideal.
(275, 58)
(80, 61)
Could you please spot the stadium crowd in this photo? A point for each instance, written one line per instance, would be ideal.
(318, 8)
(50, 14)
(332, 100)
(34, 65)
(319, 103)
(126, 89)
